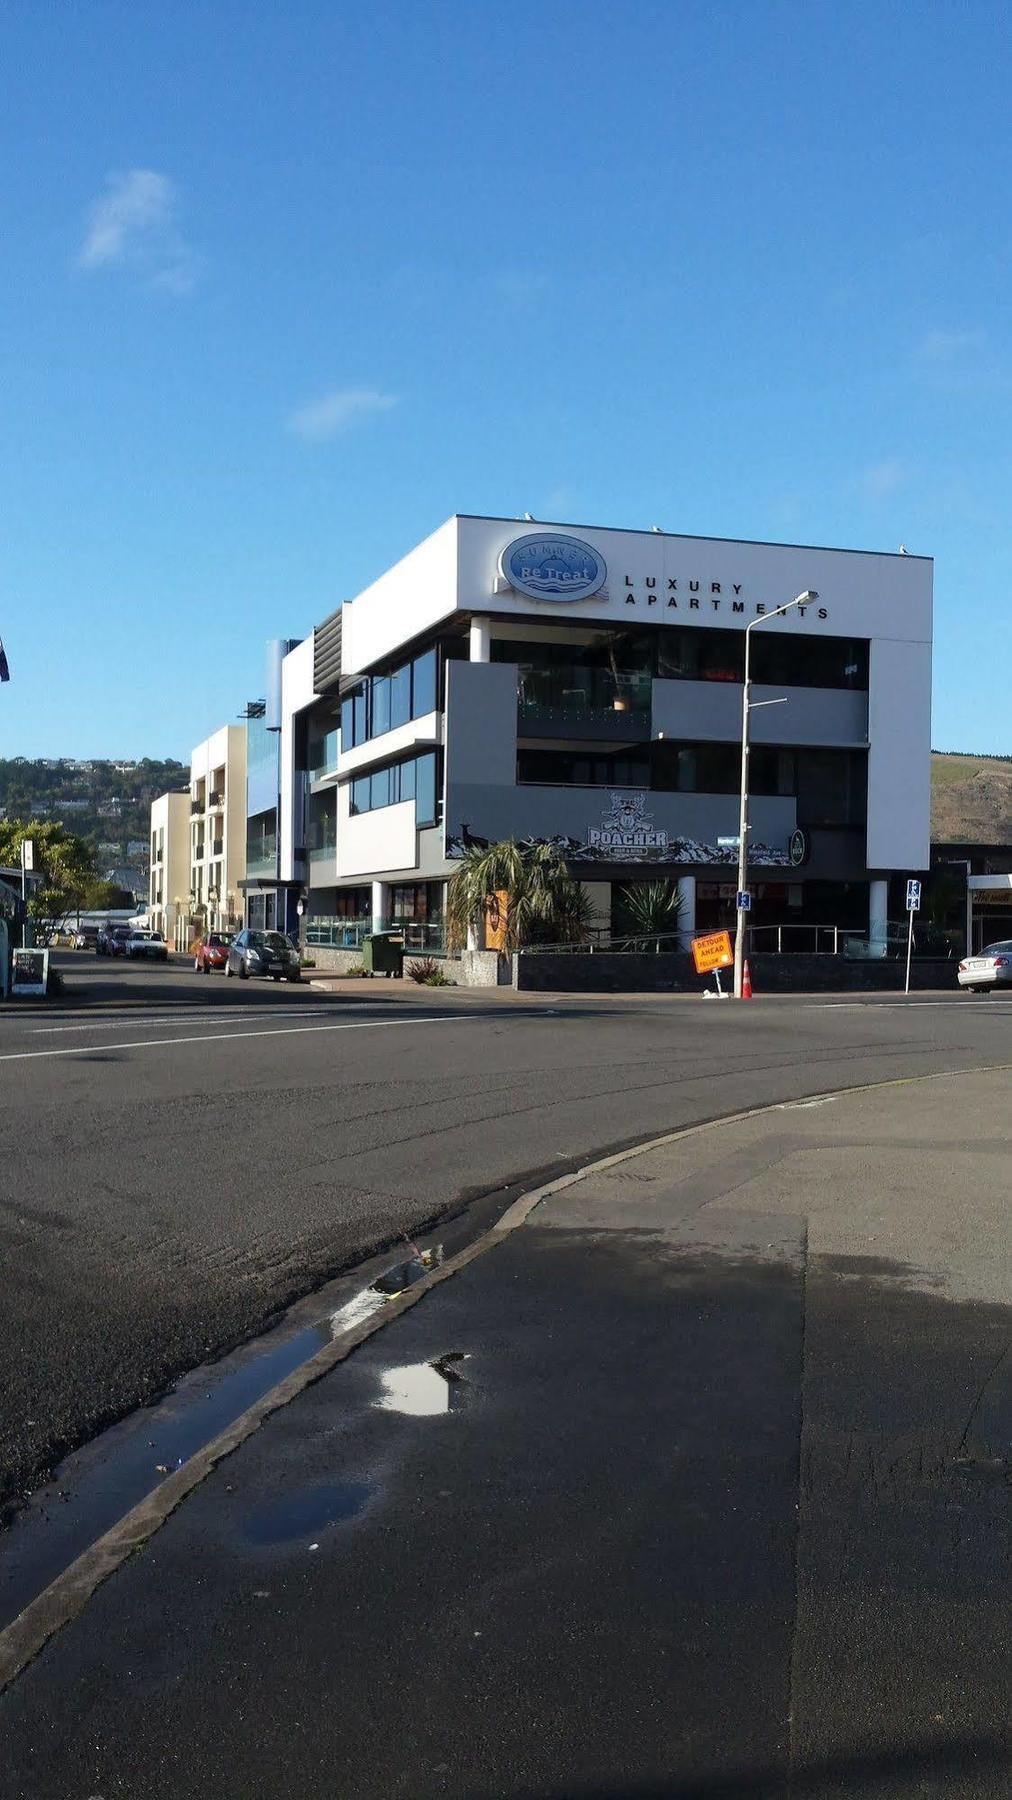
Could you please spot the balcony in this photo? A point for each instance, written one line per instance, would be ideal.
(216, 798)
(217, 846)
(323, 754)
(576, 701)
(196, 806)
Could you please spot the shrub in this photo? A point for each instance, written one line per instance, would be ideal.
(424, 971)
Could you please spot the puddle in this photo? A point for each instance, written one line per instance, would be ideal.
(304, 1515)
(421, 1389)
(96, 1486)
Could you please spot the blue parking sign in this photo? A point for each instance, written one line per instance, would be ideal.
(913, 896)
(744, 900)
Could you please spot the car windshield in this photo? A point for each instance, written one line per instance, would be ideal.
(1001, 949)
(268, 940)
(222, 938)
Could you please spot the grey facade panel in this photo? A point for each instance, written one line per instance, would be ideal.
(327, 653)
(710, 711)
(481, 724)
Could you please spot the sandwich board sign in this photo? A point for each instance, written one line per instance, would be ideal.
(29, 974)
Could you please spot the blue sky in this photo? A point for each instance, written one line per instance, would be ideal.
(286, 286)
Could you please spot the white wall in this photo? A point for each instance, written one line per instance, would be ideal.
(862, 593)
(427, 730)
(899, 756)
(375, 841)
(410, 598)
(297, 693)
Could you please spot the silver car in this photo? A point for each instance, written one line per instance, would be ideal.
(990, 969)
(263, 953)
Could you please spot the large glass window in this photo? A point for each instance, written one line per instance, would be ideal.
(423, 684)
(413, 779)
(380, 720)
(425, 790)
(400, 696)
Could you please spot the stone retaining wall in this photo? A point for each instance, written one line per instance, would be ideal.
(633, 972)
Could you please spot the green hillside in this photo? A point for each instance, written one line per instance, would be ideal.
(971, 798)
(107, 801)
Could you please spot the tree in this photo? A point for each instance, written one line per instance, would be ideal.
(64, 861)
(543, 902)
(106, 896)
(652, 909)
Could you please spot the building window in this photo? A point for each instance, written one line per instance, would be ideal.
(414, 779)
(382, 702)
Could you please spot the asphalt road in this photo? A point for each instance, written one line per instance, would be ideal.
(694, 1486)
(184, 1157)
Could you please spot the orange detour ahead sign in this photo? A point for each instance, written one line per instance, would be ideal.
(712, 952)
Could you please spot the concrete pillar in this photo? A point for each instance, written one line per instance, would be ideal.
(481, 640)
(687, 916)
(878, 916)
(380, 901)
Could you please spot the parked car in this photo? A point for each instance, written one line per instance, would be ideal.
(263, 953)
(212, 951)
(86, 937)
(149, 944)
(990, 969)
(112, 940)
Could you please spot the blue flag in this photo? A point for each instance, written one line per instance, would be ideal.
(5, 673)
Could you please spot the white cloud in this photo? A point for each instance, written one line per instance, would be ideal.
(320, 419)
(883, 479)
(134, 225)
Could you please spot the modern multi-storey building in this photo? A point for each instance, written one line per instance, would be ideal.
(169, 875)
(218, 828)
(585, 686)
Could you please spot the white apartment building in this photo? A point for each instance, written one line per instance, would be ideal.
(169, 881)
(218, 829)
(198, 843)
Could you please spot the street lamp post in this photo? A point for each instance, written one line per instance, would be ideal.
(748, 706)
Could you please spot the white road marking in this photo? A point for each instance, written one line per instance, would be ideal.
(212, 1017)
(230, 1037)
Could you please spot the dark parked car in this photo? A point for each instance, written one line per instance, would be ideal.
(212, 951)
(112, 940)
(263, 953)
(147, 944)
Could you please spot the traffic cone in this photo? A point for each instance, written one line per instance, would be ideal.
(746, 982)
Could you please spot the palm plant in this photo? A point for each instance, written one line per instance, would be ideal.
(652, 909)
(544, 902)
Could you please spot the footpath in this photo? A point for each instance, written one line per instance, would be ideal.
(695, 1484)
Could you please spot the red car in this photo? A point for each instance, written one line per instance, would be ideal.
(212, 951)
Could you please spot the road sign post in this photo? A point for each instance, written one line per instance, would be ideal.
(913, 905)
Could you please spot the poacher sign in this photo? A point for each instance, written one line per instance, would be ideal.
(627, 834)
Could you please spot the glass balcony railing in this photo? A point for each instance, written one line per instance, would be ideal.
(262, 857)
(336, 934)
(323, 754)
(616, 703)
(428, 939)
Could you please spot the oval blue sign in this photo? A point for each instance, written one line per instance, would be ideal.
(548, 567)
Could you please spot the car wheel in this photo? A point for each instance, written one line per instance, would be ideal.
(228, 971)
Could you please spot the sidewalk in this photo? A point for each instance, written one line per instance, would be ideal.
(695, 1482)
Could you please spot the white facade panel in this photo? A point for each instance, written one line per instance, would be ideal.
(861, 594)
(899, 755)
(296, 694)
(424, 732)
(410, 598)
(373, 842)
